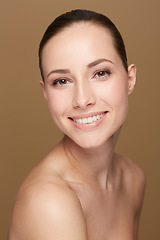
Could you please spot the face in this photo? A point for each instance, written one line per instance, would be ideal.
(86, 85)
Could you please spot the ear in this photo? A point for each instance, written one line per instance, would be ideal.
(131, 78)
(43, 89)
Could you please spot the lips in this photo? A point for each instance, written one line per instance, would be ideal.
(88, 118)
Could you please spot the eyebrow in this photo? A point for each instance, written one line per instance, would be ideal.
(58, 71)
(90, 65)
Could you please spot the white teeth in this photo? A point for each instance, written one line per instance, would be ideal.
(84, 120)
(89, 119)
(94, 118)
(80, 120)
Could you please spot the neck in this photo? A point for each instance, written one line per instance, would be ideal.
(95, 164)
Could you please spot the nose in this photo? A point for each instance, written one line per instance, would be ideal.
(83, 96)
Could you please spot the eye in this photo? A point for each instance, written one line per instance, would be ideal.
(102, 73)
(60, 82)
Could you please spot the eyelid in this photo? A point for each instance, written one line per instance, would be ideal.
(107, 71)
(56, 82)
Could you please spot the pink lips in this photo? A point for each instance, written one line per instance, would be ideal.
(87, 126)
(87, 115)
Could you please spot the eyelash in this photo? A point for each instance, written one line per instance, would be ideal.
(106, 73)
(57, 82)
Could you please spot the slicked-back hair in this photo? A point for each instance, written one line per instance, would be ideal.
(76, 16)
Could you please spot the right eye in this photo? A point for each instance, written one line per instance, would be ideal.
(60, 82)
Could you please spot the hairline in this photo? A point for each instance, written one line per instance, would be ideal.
(69, 25)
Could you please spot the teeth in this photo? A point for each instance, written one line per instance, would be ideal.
(89, 119)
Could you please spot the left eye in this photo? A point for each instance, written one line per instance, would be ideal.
(103, 73)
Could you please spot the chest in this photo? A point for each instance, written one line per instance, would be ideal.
(109, 217)
(104, 223)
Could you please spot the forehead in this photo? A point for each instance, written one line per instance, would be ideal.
(83, 40)
(86, 30)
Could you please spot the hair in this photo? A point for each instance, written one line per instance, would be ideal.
(76, 16)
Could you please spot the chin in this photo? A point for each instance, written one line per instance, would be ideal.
(91, 142)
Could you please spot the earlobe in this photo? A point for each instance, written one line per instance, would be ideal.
(43, 89)
(131, 78)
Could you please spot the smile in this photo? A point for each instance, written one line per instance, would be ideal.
(88, 120)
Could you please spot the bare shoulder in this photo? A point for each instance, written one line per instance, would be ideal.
(46, 208)
(47, 211)
(133, 173)
(134, 180)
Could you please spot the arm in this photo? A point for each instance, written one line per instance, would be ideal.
(50, 213)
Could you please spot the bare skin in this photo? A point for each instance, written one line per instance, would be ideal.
(56, 202)
(82, 190)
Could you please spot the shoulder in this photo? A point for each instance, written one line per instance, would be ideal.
(46, 207)
(47, 211)
(133, 173)
(134, 181)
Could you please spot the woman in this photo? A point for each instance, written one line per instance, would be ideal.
(83, 190)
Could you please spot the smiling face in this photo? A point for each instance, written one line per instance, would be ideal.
(86, 84)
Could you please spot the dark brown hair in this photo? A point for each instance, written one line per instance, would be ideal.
(76, 16)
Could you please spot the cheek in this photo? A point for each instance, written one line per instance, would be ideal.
(56, 104)
(120, 96)
(116, 94)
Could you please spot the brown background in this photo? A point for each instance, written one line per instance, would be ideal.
(27, 132)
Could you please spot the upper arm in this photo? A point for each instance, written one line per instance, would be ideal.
(49, 215)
